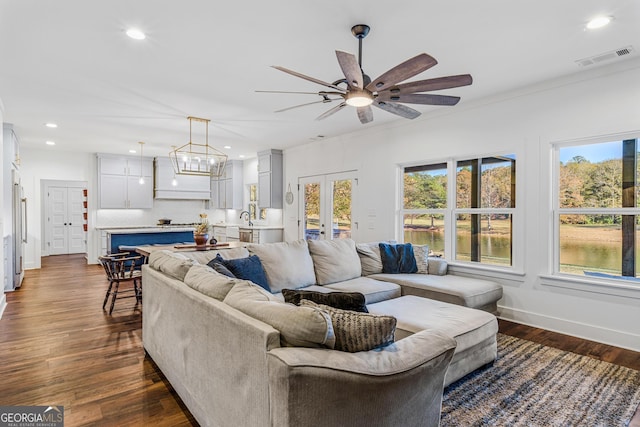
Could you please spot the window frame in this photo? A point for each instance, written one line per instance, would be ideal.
(557, 211)
(516, 269)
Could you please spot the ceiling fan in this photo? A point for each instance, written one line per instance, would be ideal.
(358, 90)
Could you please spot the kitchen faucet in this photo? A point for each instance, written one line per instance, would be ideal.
(247, 218)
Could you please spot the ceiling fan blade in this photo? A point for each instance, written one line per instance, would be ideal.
(284, 91)
(321, 93)
(350, 68)
(432, 84)
(402, 72)
(365, 114)
(311, 79)
(397, 109)
(331, 111)
(419, 98)
(304, 105)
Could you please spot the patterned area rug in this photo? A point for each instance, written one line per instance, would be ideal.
(534, 385)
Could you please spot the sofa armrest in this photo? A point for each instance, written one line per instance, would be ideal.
(437, 266)
(400, 384)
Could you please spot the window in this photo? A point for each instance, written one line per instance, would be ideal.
(478, 227)
(596, 209)
(424, 206)
(253, 204)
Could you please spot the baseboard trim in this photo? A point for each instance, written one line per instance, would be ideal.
(599, 334)
(3, 304)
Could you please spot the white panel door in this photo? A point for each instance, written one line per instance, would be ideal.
(66, 230)
(58, 241)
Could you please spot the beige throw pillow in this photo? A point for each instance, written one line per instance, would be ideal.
(173, 264)
(421, 254)
(356, 331)
(334, 260)
(287, 265)
(206, 280)
(298, 326)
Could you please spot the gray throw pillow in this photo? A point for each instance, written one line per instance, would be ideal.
(358, 331)
(370, 260)
(354, 301)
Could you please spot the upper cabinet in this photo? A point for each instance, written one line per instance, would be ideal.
(125, 182)
(168, 185)
(226, 191)
(11, 147)
(270, 181)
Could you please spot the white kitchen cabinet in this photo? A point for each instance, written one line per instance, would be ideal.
(226, 191)
(270, 179)
(119, 182)
(189, 187)
(261, 235)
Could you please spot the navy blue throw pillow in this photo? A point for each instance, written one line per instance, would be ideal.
(248, 269)
(398, 258)
(218, 265)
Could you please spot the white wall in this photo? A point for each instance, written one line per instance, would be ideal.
(50, 163)
(3, 298)
(601, 101)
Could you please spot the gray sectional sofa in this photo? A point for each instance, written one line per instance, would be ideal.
(238, 355)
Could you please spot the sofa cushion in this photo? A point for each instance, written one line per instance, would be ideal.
(206, 280)
(217, 264)
(298, 326)
(173, 264)
(286, 264)
(358, 331)
(249, 268)
(466, 291)
(398, 258)
(437, 266)
(353, 301)
(203, 257)
(373, 290)
(421, 254)
(467, 326)
(370, 260)
(334, 260)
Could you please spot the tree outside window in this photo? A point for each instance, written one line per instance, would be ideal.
(596, 210)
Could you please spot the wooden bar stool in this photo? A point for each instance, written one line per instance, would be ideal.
(122, 268)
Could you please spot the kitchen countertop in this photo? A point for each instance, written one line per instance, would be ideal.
(253, 227)
(144, 229)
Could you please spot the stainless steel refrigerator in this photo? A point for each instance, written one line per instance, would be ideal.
(18, 234)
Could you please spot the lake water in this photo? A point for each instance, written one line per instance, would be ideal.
(600, 256)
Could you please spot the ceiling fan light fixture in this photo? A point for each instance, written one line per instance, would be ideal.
(358, 99)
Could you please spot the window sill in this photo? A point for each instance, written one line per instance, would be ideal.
(486, 271)
(599, 286)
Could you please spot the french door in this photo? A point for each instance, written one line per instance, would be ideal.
(65, 220)
(326, 208)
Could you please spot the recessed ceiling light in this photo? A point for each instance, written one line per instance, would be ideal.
(598, 22)
(228, 147)
(51, 125)
(241, 156)
(136, 34)
(132, 151)
(50, 143)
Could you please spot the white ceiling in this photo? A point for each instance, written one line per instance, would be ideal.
(70, 62)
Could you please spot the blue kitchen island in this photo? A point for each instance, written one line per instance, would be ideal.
(128, 238)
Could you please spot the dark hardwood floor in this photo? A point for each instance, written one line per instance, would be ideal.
(58, 347)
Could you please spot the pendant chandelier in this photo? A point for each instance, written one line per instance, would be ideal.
(198, 159)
